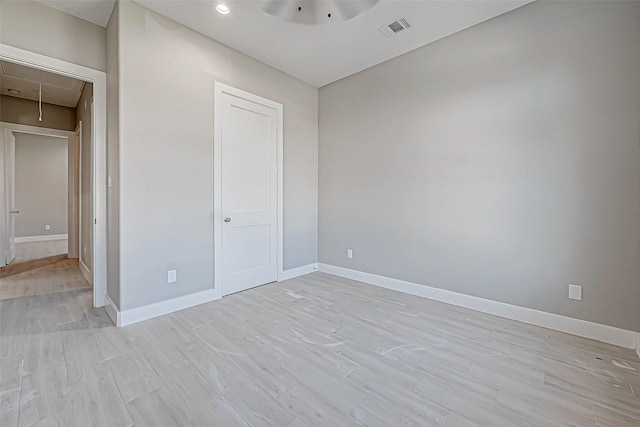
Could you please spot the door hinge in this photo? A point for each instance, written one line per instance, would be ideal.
(95, 221)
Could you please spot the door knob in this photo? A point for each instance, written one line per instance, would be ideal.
(14, 211)
(227, 219)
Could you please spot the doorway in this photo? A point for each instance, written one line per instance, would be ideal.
(97, 170)
(248, 188)
(38, 184)
(40, 193)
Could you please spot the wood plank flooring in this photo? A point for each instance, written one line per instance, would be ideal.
(312, 351)
(38, 277)
(22, 267)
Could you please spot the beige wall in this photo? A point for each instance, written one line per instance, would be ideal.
(502, 162)
(41, 185)
(25, 112)
(113, 159)
(166, 154)
(37, 28)
(83, 114)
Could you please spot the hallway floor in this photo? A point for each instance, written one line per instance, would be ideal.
(58, 276)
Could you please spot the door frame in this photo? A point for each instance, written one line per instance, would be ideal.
(71, 182)
(78, 133)
(219, 90)
(99, 140)
(83, 267)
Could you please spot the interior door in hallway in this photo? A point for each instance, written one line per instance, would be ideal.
(249, 194)
(9, 247)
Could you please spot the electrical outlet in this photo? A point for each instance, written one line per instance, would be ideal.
(575, 292)
(171, 276)
(84, 250)
(349, 253)
(47, 227)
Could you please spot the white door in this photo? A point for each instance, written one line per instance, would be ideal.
(249, 187)
(10, 195)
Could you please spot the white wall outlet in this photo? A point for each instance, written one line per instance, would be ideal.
(47, 227)
(171, 276)
(84, 250)
(349, 253)
(575, 292)
(109, 181)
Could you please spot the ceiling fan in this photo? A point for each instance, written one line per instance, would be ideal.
(316, 12)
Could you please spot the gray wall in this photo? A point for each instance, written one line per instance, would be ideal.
(25, 112)
(83, 114)
(41, 184)
(501, 162)
(167, 75)
(113, 157)
(32, 26)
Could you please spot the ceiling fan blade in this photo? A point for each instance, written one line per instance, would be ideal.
(349, 9)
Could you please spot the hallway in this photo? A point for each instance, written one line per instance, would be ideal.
(41, 277)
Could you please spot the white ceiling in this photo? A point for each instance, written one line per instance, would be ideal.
(96, 11)
(56, 89)
(316, 54)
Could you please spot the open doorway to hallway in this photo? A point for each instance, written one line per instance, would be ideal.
(46, 122)
(41, 183)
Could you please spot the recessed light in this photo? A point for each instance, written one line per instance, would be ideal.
(223, 9)
(14, 91)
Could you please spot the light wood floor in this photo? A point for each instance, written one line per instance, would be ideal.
(316, 350)
(56, 275)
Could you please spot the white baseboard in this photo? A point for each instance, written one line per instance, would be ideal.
(42, 238)
(299, 271)
(582, 328)
(85, 272)
(138, 314)
(112, 310)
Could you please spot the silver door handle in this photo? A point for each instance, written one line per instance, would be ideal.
(227, 219)
(14, 211)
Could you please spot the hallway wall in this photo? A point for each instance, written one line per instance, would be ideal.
(41, 184)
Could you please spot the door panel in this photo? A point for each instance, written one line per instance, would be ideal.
(249, 194)
(10, 194)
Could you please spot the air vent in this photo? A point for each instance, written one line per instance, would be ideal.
(395, 27)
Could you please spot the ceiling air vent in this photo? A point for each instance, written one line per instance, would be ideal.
(395, 27)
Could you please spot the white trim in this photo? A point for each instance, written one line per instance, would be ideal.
(79, 135)
(582, 328)
(134, 315)
(99, 80)
(85, 271)
(219, 89)
(112, 310)
(298, 271)
(35, 130)
(73, 209)
(43, 238)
